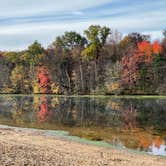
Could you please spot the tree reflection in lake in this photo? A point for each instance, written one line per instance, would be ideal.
(131, 123)
(44, 113)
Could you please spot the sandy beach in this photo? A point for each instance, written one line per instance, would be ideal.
(22, 148)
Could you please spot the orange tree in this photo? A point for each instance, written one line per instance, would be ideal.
(137, 72)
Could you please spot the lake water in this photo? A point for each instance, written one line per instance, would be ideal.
(132, 123)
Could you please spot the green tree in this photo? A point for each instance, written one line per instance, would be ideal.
(97, 37)
(19, 80)
(34, 54)
(136, 38)
(65, 56)
(13, 57)
(70, 40)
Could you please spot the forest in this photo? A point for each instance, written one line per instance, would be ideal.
(98, 61)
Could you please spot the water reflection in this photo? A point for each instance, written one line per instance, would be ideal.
(161, 150)
(131, 123)
(44, 113)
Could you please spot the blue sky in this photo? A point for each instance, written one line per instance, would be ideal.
(23, 21)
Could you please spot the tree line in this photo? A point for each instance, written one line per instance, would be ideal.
(98, 62)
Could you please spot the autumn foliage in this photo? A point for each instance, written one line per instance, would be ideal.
(131, 64)
(157, 48)
(44, 112)
(100, 62)
(130, 68)
(44, 79)
(146, 49)
(149, 49)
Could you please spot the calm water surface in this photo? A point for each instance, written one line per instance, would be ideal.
(138, 124)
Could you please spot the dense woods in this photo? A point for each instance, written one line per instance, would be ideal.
(98, 62)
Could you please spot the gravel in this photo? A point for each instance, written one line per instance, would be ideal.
(18, 148)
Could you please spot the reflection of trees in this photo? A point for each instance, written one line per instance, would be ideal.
(63, 112)
(128, 114)
(19, 109)
(128, 117)
(103, 112)
(81, 112)
(4, 112)
(22, 110)
(152, 113)
(140, 112)
(136, 114)
(147, 141)
(129, 121)
(44, 112)
(126, 111)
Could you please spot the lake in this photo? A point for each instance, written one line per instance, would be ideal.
(132, 123)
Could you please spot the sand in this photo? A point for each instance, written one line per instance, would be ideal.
(22, 148)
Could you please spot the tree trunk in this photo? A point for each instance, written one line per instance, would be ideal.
(81, 75)
(69, 82)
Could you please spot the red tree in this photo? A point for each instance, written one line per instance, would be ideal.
(130, 68)
(44, 79)
(157, 48)
(146, 49)
(131, 64)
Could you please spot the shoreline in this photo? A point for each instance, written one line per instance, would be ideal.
(26, 147)
(127, 96)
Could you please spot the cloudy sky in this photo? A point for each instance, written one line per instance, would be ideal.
(23, 21)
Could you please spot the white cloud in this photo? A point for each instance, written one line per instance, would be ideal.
(18, 35)
(46, 33)
(12, 8)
